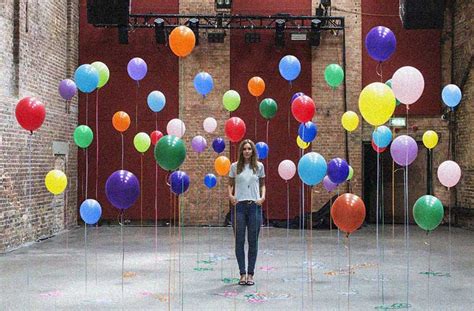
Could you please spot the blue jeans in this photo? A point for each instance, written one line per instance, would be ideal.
(246, 217)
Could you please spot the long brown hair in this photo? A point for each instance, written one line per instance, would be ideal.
(241, 159)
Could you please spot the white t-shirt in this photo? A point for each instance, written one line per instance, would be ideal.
(247, 184)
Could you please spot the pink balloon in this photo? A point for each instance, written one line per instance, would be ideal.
(408, 84)
(210, 125)
(286, 169)
(176, 128)
(449, 173)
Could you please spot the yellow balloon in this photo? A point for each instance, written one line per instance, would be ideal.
(301, 143)
(350, 120)
(430, 139)
(55, 181)
(377, 103)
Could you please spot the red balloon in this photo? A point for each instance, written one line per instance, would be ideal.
(303, 108)
(348, 212)
(235, 129)
(377, 148)
(155, 136)
(30, 113)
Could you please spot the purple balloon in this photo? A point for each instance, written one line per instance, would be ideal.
(338, 170)
(404, 150)
(218, 145)
(67, 89)
(122, 189)
(137, 68)
(199, 144)
(380, 43)
(295, 96)
(179, 182)
(328, 184)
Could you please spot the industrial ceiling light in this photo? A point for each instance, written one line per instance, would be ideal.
(315, 33)
(160, 35)
(194, 25)
(223, 4)
(280, 32)
(252, 37)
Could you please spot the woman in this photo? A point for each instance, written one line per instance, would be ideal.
(246, 194)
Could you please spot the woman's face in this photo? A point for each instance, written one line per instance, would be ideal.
(247, 151)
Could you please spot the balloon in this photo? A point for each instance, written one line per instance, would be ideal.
(209, 124)
(103, 72)
(203, 83)
(380, 43)
(430, 139)
(287, 169)
(256, 86)
(376, 103)
(137, 68)
(231, 100)
(351, 173)
(262, 150)
(87, 78)
(182, 41)
(155, 136)
(142, 142)
(334, 75)
(301, 144)
(451, 95)
(122, 189)
(218, 144)
(307, 131)
(408, 84)
(290, 67)
(210, 180)
(377, 148)
(404, 150)
(338, 170)
(179, 182)
(67, 89)
(312, 168)
(328, 184)
(170, 152)
(199, 143)
(156, 101)
(295, 96)
(428, 212)
(30, 113)
(449, 173)
(382, 136)
(90, 211)
(176, 128)
(348, 212)
(303, 108)
(268, 108)
(55, 181)
(83, 136)
(222, 165)
(121, 121)
(235, 129)
(350, 121)
(389, 84)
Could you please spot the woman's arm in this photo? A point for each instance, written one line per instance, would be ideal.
(230, 190)
(263, 191)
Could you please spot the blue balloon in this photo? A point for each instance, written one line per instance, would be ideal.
(451, 95)
(203, 83)
(218, 144)
(312, 168)
(90, 211)
(295, 96)
(307, 131)
(262, 150)
(179, 182)
(290, 67)
(122, 189)
(86, 78)
(210, 180)
(338, 170)
(156, 101)
(382, 136)
(380, 43)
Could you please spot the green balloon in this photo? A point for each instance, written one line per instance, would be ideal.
(268, 108)
(428, 212)
(334, 75)
(83, 136)
(231, 100)
(170, 152)
(103, 71)
(142, 142)
(389, 84)
(351, 173)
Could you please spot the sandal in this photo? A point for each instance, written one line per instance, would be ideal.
(250, 282)
(243, 279)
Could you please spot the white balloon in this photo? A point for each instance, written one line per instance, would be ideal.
(287, 169)
(210, 124)
(408, 84)
(176, 128)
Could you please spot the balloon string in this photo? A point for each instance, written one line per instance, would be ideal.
(349, 269)
(377, 223)
(287, 224)
(156, 219)
(379, 71)
(311, 255)
(121, 134)
(255, 115)
(85, 258)
(429, 267)
(136, 107)
(141, 192)
(97, 143)
(87, 172)
(303, 235)
(172, 247)
(123, 247)
(87, 109)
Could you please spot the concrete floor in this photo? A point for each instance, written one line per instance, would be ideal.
(291, 273)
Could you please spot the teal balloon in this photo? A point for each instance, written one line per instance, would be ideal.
(334, 75)
(268, 108)
(312, 168)
(170, 152)
(428, 212)
(389, 84)
(83, 136)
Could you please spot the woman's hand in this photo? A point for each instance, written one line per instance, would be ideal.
(233, 200)
(260, 201)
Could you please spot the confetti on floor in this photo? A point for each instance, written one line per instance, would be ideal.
(54, 293)
(230, 280)
(206, 262)
(160, 297)
(433, 273)
(200, 269)
(345, 271)
(267, 268)
(129, 274)
(395, 306)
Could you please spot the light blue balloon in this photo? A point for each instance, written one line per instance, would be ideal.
(156, 101)
(203, 83)
(451, 95)
(382, 136)
(86, 78)
(312, 168)
(90, 211)
(290, 67)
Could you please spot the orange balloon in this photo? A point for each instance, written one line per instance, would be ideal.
(348, 212)
(256, 86)
(222, 165)
(121, 121)
(182, 41)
